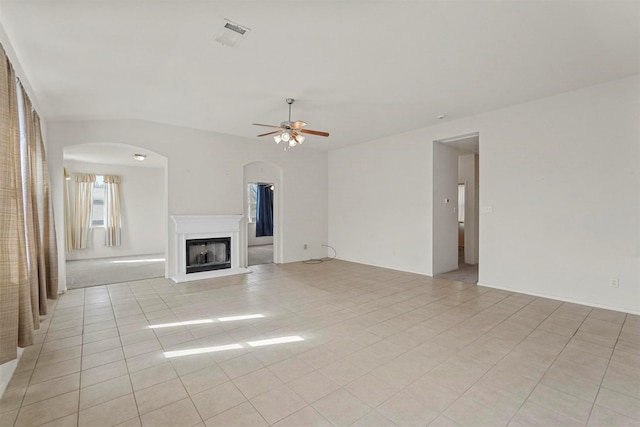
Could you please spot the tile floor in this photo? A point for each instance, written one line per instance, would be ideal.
(379, 348)
(467, 273)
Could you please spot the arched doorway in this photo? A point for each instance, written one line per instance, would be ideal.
(269, 175)
(141, 253)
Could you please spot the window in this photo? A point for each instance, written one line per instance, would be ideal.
(97, 206)
(252, 197)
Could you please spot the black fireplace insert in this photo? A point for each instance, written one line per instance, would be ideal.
(208, 254)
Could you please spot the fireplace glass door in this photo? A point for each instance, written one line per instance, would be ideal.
(208, 254)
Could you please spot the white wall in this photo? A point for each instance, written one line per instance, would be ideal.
(205, 173)
(380, 203)
(142, 192)
(560, 173)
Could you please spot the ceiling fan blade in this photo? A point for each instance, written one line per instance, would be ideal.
(298, 125)
(269, 126)
(269, 133)
(314, 132)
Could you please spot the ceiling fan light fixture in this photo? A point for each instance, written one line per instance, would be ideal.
(289, 131)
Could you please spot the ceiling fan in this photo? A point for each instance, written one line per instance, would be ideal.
(290, 132)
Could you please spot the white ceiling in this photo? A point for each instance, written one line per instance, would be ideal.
(113, 154)
(358, 69)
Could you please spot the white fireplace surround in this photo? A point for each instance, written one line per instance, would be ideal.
(188, 227)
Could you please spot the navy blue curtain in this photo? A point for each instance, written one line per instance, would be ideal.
(264, 211)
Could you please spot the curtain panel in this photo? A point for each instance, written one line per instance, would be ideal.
(68, 223)
(264, 211)
(28, 257)
(30, 204)
(82, 209)
(14, 302)
(112, 210)
(47, 242)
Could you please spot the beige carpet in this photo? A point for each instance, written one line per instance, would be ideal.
(102, 271)
(262, 254)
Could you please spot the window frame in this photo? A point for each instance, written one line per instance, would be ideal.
(252, 202)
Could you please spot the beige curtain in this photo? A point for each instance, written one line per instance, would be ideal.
(68, 224)
(30, 203)
(82, 210)
(112, 210)
(14, 302)
(28, 258)
(46, 244)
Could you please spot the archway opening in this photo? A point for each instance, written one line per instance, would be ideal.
(262, 241)
(140, 250)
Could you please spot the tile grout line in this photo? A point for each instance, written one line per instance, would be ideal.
(606, 370)
(502, 358)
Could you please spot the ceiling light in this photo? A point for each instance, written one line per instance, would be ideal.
(140, 157)
(289, 131)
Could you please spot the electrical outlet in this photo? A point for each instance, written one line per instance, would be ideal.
(615, 283)
(305, 246)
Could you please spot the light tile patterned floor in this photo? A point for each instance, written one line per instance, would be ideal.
(379, 348)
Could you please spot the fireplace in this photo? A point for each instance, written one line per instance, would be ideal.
(205, 246)
(208, 254)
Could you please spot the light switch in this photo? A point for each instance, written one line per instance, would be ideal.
(487, 209)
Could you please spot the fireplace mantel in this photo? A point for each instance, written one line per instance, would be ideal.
(188, 227)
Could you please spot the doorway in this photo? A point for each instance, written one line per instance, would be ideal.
(141, 252)
(258, 248)
(260, 223)
(461, 201)
(455, 248)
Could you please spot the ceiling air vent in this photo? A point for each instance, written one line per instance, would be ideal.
(231, 33)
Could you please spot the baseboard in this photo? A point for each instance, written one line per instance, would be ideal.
(556, 297)
(7, 370)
